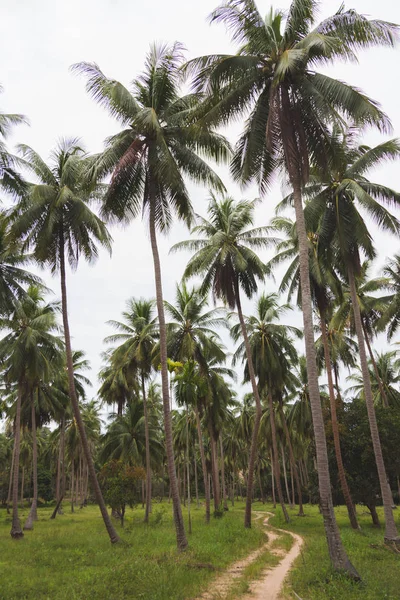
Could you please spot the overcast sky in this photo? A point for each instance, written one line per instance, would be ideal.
(40, 39)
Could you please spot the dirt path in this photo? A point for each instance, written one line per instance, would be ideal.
(268, 587)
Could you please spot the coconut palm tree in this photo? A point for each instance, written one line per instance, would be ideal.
(161, 142)
(11, 180)
(27, 351)
(339, 197)
(388, 372)
(274, 80)
(137, 337)
(225, 258)
(324, 286)
(391, 317)
(273, 355)
(54, 219)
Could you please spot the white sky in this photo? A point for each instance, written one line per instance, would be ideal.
(40, 39)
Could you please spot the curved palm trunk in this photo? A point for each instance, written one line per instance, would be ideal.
(292, 463)
(257, 418)
(75, 404)
(335, 429)
(391, 534)
(203, 463)
(275, 458)
(16, 531)
(337, 552)
(147, 445)
(177, 510)
(372, 357)
(32, 516)
(224, 496)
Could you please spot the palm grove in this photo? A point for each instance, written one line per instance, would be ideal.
(178, 428)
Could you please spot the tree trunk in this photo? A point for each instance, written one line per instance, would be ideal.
(10, 484)
(22, 487)
(214, 470)
(224, 496)
(233, 485)
(177, 510)
(75, 404)
(375, 366)
(337, 552)
(147, 444)
(196, 483)
(375, 518)
(292, 484)
(257, 418)
(275, 458)
(203, 463)
(292, 463)
(188, 471)
(143, 494)
(72, 484)
(335, 428)
(285, 476)
(390, 525)
(32, 516)
(261, 488)
(16, 531)
(273, 481)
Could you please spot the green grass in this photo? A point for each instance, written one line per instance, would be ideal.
(312, 577)
(71, 557)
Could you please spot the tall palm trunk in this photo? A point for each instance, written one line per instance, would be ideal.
(147, 445)
(257, 418)
(292, 462)
(337, 552)
(32, 516)
(390, 526)
(275, 458)
(188, 470)
(22, 486)
(75, 404)
(214, 469)
(72, 484)
(10, 483)
(16, 531)
(196, 483)
(203, 463)
(375, 367)
(177, 510)
(335, 428)
(224, 496)
(285, 476)
(273, 481)
(60, 471)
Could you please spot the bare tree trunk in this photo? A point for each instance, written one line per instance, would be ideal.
(335, 428)
(375, 366)
(285, 476)
(16, 531)
(203, 463)
(293, 465)
(22, 487)
(214, 471)
(196, 483)
(72, 484)
(224, 496)
(260, 485)
(10, 484)
(273, 481)
(32, 516)
(233, 485)
(375, 518)
(391, 535)
(143, 493)
(275, 458)
(177, 510)
(147, 444)
(292, 483)
(257, 417)
(188, 471)
(75, 404)
(337, 552)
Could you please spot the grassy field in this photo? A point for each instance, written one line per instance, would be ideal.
(312, 577)
(72, 558)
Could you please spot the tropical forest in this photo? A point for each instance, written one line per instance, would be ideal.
(200, 301)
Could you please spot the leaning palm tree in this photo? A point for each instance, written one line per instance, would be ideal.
(339, 197)
(274, 79)
(224, 256)
(54, 219)
(161, 142)
(137, 335)
(27, 351)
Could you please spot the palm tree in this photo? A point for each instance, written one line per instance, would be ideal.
(55, 220)
(137, 334)
(389, 378)
(10, 179)
(27, 352)
(159, 145)
(290, 105)
(273, 355)
(336, 198)
(391, 317)
(225, 258)
(324, 288)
